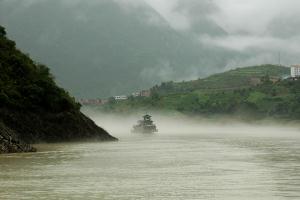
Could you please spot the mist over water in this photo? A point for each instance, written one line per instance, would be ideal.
(174, 124)
(186, 159)
(103, 48)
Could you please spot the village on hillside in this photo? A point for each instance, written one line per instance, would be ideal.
(294, 75)
(99, 101)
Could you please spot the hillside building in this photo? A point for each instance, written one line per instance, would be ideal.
(136, 94)
(295, 71)
(119, 98)
(145, 93)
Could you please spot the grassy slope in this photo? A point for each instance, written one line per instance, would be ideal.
(229, 93)
(230, 80)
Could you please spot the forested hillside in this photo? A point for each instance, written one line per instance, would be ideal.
(28, 85)
(33, 108)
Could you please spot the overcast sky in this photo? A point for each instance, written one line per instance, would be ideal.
(264, 26)
(249, 24)
(230, 33)
(261, 25)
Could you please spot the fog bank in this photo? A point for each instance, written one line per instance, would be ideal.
(177, 124)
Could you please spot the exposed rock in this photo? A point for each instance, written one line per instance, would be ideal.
(9, 143)
(19, 129)
(34, 127)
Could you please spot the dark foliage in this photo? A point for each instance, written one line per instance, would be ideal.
(27, 85)
(33, 107)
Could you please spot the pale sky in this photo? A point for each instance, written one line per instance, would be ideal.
(266, 26)
(230, 34)
(259, 25)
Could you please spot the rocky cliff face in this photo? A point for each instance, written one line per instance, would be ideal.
(33, 108)
(19, 129)
(10, 143)
(34, 127)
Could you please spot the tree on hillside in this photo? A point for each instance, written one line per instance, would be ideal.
(2, 31)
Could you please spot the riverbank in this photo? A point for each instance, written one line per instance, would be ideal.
(19, 129)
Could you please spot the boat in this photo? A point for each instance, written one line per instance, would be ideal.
(145, 126)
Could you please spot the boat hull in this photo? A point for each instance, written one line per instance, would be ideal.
(145, 130)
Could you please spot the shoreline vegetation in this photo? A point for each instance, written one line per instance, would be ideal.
(33, 108)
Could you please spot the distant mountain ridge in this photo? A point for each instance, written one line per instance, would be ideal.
(94, 49)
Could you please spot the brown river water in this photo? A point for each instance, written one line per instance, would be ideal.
(209, 164)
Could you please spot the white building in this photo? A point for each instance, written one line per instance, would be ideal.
(123, 97)
(295, 71)
(136, 94)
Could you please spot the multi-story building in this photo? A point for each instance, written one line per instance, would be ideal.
(295, 71)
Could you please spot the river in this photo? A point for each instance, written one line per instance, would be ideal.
(204, 165)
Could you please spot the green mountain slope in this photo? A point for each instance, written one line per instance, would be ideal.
(230, 80)
(230, 94)
(32, 107)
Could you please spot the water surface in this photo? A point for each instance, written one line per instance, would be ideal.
(163, 166)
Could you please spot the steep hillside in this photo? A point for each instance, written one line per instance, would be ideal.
(106, 45)
(33, 108)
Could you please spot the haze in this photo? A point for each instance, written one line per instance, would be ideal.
(94, 47)
(176, 124)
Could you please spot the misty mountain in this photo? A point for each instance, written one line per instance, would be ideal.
(102, 48)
